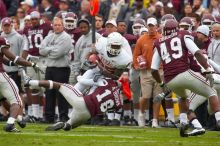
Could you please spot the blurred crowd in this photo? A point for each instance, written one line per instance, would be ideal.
(131, 18)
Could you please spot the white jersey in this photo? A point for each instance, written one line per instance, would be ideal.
(122, 61)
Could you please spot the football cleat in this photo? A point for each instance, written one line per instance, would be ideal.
(55, 127)
(11, 128)
(196, 132)
(115, 122)
(155, 124)
(183, 129)
(67, 127)
(22, 123)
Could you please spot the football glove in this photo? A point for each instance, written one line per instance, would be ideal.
(36, 68)
(209, 76)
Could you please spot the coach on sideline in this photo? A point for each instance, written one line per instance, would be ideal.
(55, 47)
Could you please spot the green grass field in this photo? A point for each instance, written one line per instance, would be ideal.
(34, 135)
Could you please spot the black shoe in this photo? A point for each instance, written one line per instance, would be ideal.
(114, 122)
(67, 127)
(106, 122)
(30, 119)
(55, 127)
(11, 128)
(196, 132)
(183, 130)
(22, 123)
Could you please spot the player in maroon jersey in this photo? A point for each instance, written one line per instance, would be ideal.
(9, 89)
(105, 97)
(34, 36)
(172, 50)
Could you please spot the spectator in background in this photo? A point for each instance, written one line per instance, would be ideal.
(15, 23)
(196, 20)
(47, 9)
(64, 5)
(27, 21)
(99, 22)
(20, 15)
(187, 10)
(27, 5)
(197, 7)
(55, 47)
(113, 9)
(3, 10)
(110, 26)
(158, 10)
(214, 7)
(85, 10)
(137, 11)
(11, 6)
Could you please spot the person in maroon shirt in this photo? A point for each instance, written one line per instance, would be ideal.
(172, 50)
(9, 89)
(34, 35)
(104, 98)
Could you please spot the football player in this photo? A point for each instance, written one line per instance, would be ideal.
(9, 89)
(113, 60)
(34, 36)
(172, 50)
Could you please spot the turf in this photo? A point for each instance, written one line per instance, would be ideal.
(34, 135)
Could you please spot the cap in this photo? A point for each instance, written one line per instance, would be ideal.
(143, 29)
(28, 2)
(158, 3)
(204, 29)
(27, 17)
(112, 21)
(83, 20)
(6, 20)
(152, 21)
(35, 14)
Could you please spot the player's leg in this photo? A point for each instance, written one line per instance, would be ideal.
(9, 90)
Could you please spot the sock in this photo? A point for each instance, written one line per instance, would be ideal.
(35, 108)
(110, 116)
(183, 118)
(117, 116)
(127, 113)
(34, 83)
(19, 118)
(41, 112)
(30, 111)
(11, 120)
(57, 111)
(147, 114)
(217, 116)
(196, 123)
(136, 111)
(170, 114)
(69, 112)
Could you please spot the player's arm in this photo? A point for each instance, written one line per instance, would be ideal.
(16, 59)
(155, 65)
(215, 66)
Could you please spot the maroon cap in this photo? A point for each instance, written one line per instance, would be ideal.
(6, 20)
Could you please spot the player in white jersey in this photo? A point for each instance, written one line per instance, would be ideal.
(110, 61)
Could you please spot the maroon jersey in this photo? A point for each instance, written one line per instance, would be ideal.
(35, 36)
(193, 62)
(130, 38)
(173, 53)
(104, 98)
(75, 34)
(3, 43)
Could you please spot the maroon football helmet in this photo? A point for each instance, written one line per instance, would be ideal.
(166, 17)
(186, 23)
(170, 26)
(208, 20)
(61, 14)
(70, 21)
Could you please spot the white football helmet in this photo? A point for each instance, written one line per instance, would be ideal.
(114, 43)
(138, 24)
(70, 20)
